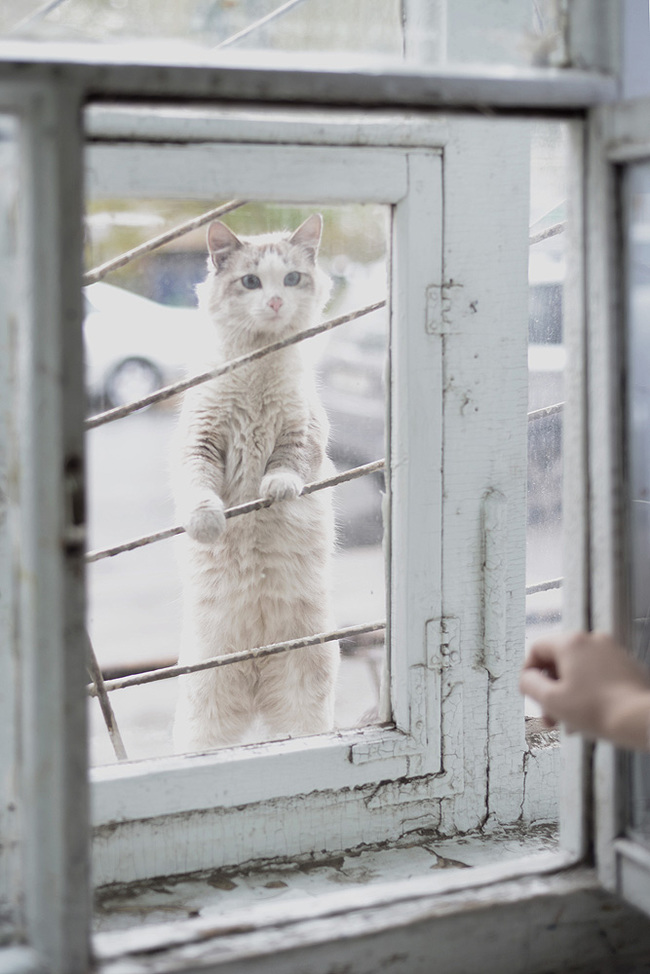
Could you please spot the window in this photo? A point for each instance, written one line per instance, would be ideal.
(619, 554)
(410, 181)
(451, 759)
(135, 608)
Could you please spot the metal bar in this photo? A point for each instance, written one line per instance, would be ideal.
(173, 390)
(549, 232)
(546, 411)
(42, 11)
(544, 586)
(99, 273)
(247, 508)
(278, 12)
(169, 672)
(107, 710)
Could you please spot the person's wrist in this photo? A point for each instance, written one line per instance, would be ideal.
(626, 718)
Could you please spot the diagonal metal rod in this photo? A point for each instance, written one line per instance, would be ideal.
(42, 11)
(168, 672)
(173, 390)
(544, 586)
(256, 505)
(545, 234)
(99, 691)
(546, 411)
(103, 270)
(274, 15)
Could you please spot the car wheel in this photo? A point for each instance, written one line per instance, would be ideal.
(132, 379)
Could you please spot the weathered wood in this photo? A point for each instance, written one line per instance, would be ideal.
(574, 764)
(526, 926)
(50, 616)
(231, 170)
(605, 410)
(259, 77)
(10, 807)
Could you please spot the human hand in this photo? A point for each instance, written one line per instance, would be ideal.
(591, 684)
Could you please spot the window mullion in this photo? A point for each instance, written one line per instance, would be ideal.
(573, 790)
(52, 533)
(9, 809)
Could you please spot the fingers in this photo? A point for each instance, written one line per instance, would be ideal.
(539, 686)
(533, 682)
(543, 656)
(536, 684)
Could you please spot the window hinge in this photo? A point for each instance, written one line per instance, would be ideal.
(443, 642)
(439, 320)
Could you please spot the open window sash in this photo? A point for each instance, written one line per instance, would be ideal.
(453, 668)
(619, 338)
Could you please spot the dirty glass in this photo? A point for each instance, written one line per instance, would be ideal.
(9, 170)
(427, 32)
(546, 370)
(10, 500)
(637, 294)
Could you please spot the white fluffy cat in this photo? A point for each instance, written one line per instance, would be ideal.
(258, 432)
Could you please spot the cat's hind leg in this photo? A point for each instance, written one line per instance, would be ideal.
(215, 708)
(295, 697)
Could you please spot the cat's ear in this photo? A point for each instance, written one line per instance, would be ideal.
(308, 234)
(221, 242)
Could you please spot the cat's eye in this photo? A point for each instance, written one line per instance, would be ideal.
(292, 278)
(251, 281)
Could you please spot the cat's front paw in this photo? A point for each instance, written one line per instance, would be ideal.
(281, 486)
(207, 521)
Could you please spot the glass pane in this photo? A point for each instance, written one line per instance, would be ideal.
(143, 330)
(546, 365)
(637, 284)
(10, 811)
(431, 32)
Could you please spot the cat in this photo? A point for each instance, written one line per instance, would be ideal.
(259, 431)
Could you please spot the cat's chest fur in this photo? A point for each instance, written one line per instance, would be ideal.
(249, 412)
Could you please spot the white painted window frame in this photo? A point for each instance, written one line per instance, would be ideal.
(470, 655)
(53, 921)
(49, 905)
(409, 181)
(619, 135)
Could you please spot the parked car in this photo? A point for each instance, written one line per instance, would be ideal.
(353, 389)
(134, 345)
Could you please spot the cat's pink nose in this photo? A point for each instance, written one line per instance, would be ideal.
(275, 303)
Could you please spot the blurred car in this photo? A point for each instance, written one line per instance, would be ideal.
(353, 390)
(133, 345)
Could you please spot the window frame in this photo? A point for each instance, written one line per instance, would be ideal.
(407, 180)
(619, 136)
(57, 929)
(51, 908)
(124, 797)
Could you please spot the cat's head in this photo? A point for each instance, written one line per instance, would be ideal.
(266, 287)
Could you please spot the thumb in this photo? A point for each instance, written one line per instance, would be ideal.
(536, 684)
